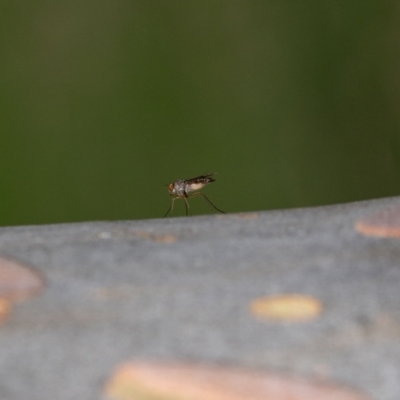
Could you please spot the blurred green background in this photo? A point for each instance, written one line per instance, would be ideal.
(104, 102)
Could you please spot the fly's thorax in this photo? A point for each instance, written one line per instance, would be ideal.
(177, 188)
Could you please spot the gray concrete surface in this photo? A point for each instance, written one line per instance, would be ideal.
(121, 290)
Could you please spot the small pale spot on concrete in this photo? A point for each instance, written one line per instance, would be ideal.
(286, 307)
(179, 381)
(385, 223)
(104, 235)
(19, 281)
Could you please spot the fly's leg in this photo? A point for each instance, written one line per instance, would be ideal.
(188, 212)
(171, 207)
(212, 206)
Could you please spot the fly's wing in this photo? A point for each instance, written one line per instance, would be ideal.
(198, 182)
(202, 179)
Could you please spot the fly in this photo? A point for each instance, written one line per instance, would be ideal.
(181, 189)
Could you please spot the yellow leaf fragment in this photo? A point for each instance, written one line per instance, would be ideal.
(288, 307)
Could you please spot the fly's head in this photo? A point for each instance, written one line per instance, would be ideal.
(177, 188)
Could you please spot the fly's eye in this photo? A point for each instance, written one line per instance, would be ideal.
(171, 187)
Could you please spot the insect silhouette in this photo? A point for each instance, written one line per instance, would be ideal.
(181, 189)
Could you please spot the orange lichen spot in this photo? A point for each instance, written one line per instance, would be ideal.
(143, 234)
(162, 381)
(164, 238)
(288, 307)
(5, 309)
(385, 223)
(18, 281)
(157, 238)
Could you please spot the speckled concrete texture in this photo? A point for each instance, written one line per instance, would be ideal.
(180, 289)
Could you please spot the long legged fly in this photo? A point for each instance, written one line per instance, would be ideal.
(183, 188)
